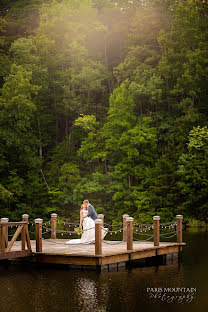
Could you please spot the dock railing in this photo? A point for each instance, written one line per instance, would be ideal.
(128, 227)
(6, 245)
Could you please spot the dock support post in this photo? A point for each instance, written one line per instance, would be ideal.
(25, 228)
(4, 235)
(129, 226)
(98, 241)
(38, 234)
(179, 228)
(124, 227)
(53, 225)
(101, 216)
(156, 220)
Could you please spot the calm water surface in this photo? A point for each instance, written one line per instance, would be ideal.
(25, 288)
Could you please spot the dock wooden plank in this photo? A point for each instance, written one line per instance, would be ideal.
(57, 252)
(66, 259)
(143, 254)
(167, 250)
(15, 254)
(115, 258)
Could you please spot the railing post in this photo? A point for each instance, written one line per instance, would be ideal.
(4, 235)
(53, 225)
(1, 239)
(23, 234)
(156, 220)
(98, 240)
(38, 234)
(124, 227)
(129, 225)
(101, 216)
(179, 228)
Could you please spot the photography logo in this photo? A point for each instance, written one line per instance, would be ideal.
(169, 294)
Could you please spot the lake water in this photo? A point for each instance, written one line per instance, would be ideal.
(48, 289)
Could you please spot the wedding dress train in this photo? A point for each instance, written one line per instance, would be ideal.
(88, 235)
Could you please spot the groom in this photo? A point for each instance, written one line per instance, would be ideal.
(91, 210)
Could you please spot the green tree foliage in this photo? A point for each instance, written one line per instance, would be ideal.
(4, 58)
(18, 141)
(183, 64)
(125, 147)
(193, 168)
(98, 100)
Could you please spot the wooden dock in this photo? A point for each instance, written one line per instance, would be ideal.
(102, 254)
(83, 256)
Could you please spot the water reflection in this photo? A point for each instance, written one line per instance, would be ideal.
(42, 289)
(87, 294)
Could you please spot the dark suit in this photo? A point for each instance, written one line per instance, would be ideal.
(91, 212)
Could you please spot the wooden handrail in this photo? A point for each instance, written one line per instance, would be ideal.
(13, 223)
(22, 226)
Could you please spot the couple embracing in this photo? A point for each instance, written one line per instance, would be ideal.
(87, 217)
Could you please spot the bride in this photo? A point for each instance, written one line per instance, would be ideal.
(88, 235)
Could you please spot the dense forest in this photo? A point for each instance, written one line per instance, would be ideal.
(106, 101)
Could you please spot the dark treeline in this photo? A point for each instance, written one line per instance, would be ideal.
(106, 101)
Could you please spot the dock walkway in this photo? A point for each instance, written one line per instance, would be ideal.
(100, 254)
(113, 252)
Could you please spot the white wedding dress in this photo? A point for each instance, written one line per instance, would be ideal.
(88, 235)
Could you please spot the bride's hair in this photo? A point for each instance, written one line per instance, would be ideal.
(82, 206)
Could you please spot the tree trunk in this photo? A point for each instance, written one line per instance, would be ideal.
(106, 168)
(66, 126)
(105, 51)
(129, 178)
(69, 135)
(40, 138)
(55, 116)
(106, 60)
(193, 100)
(56, 130)
(121, 54)
(169, 107)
